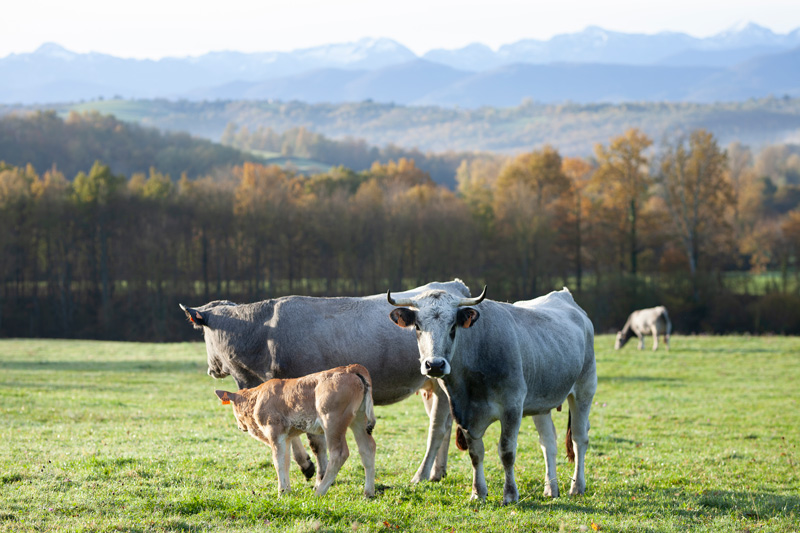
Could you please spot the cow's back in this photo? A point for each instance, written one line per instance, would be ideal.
(556, 342)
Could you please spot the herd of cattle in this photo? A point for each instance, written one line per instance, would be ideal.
(317, 365)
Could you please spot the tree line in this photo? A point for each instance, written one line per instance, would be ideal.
(687, 224)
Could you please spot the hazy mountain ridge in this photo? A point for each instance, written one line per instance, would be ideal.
(567, 67)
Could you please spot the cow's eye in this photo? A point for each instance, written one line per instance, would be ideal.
(416, 326)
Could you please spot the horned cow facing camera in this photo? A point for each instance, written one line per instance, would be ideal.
(326, 402)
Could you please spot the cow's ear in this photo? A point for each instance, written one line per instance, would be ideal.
(403, 317)
(196, 317)
(227, 397)
(467, 316)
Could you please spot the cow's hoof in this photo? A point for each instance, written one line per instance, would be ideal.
(577, 490)
(309, 471)
(551, 491)
(438, 476)
(510, 495)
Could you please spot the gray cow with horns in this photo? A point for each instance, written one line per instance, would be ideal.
(504, 362)
(294, 336)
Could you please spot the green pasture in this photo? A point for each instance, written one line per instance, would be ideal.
(103, 436)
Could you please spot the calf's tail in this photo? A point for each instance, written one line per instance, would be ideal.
(368, 404)
(570, 450)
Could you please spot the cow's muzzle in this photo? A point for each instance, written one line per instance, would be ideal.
(217, 374)
(436, 368)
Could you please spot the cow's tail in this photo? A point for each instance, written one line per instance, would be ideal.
(570, 449)
(367, 403)
(461, 439)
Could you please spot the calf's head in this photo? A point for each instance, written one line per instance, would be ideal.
(437, 317)
(241, 408)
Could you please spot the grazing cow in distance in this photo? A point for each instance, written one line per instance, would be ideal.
(499, 361)
(325, 403)
(654, 321)
(293, 336)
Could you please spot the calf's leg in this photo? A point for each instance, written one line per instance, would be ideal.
(320, 451)
(547, 440)
(336, 440)
(366, 450)
(302, 458)
(280, 459)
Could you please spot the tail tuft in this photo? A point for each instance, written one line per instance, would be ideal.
(369, 405)
(570, 449)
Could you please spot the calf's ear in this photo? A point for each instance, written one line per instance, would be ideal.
(195, 316)
(467, 316)
(226, 396)
(403, 317)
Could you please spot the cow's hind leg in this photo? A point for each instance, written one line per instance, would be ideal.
(579, 425)
(336, 441)
(547, 440)
(302, 458)
(434, 464)
(366, 450)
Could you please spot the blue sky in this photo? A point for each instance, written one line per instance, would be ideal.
(177, 28)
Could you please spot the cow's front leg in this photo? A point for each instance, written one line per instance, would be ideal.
(641, 341)
(434, 464)
(507, 448)
(547, 440)
(302, 458)
(654, 331)
(476, 451)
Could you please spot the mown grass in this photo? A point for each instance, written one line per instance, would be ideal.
(101, 436)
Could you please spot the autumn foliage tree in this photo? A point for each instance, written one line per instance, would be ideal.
(624, 180)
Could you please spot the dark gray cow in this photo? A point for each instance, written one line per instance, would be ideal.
(654, 321)
(517, 360)
(294, 336)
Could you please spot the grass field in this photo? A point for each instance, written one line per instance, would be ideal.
(101, 436)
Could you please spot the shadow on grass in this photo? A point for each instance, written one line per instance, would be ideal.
(165, 367)
(745, 505)
(635, 379)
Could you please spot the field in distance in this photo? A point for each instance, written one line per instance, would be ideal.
(102, 436)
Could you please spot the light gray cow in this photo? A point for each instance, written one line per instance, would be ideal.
(294, 336)
(517, 360)
(654, 321)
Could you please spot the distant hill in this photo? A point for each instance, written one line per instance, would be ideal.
(572, 128)
(594, 65)
(45, 140)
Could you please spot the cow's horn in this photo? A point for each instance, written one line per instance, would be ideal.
(398, 303)
(473, 301)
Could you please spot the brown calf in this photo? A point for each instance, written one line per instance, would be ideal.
(326, 402)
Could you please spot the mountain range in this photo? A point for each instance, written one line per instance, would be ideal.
(594, 65)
